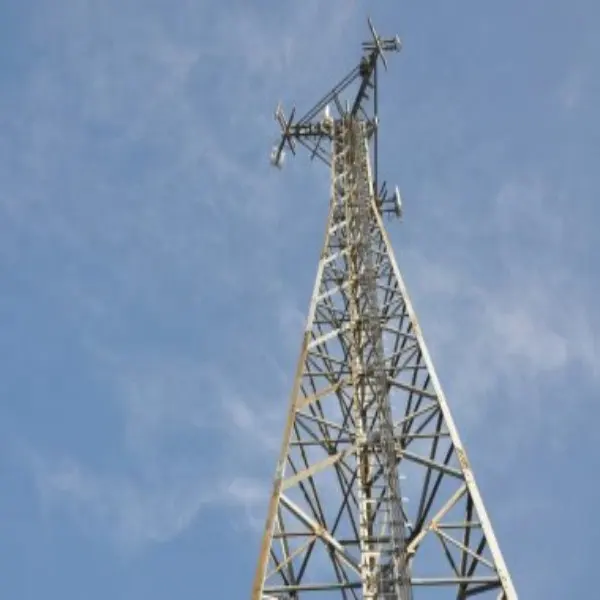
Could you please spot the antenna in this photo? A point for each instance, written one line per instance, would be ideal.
(310, 133)
(359, 88)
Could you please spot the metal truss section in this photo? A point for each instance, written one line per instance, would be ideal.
(374, 497)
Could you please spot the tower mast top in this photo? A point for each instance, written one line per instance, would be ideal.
(310, 132)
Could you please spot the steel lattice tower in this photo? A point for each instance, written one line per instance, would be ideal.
(367, 411)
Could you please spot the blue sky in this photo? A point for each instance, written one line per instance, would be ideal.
(156, 271)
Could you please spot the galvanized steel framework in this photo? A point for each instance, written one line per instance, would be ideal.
(373, 495)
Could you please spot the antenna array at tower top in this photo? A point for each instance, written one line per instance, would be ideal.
(313, 130)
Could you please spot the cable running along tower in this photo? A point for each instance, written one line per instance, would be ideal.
(374, 497)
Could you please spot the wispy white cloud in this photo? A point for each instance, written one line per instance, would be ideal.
(113, 138)
(501, 340)
(571, 91)
(252, 495)
(132, 511)
(193, 439)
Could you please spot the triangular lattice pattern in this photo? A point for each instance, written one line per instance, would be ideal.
(374, 496)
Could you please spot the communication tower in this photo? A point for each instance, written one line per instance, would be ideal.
(373, 497)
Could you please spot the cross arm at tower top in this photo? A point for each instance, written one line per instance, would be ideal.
(380, 46)
(312, 129)
(387, 45)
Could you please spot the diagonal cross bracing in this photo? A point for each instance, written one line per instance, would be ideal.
(374, 497)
